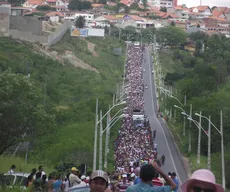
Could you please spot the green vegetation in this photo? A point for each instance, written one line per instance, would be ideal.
(65, 92)
(22, 166)
(79, 5)
(204, 78)
(45, 8)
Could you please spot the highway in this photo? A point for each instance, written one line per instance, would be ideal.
(166, 144)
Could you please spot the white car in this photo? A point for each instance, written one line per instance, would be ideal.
(146, 86)
(152, 72)
(82, 187)
(144, 70)
(14, 180)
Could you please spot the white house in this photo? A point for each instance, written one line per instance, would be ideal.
(202, 11)
(74, 15)
(33, 3)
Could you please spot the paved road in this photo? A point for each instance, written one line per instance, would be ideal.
(166, 144)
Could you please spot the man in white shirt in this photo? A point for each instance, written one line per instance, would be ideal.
(73, 177)
(40, 169)
(12, 169)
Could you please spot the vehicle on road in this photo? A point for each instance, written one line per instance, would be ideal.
(17, 180)
(144, 70)
(152, 72)
(80, 188)
(146, 86)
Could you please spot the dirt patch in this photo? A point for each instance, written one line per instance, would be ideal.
(67, 56)
(91, 48)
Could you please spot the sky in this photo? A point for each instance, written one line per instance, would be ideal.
(211, 3)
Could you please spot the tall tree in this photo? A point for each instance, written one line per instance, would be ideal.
(144, 3)
(19, 110)
(80, 22)
(163, 9)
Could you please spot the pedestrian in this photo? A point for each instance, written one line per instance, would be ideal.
(12, 169)
(163, 159)
(40, 169)
(175, 180)
(202, 180)
(147, 174)
(98, 181)
(73, 177)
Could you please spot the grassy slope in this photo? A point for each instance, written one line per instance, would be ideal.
(72, 90)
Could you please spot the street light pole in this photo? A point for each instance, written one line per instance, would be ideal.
(221, 132)
(184, 126)
(107, 140)
(209, 143)
(189, 134)
(95, 138)
(222, 149)
(107, 129)
(199, 138)
(100, 148)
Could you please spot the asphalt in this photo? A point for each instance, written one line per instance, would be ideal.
(164, 138)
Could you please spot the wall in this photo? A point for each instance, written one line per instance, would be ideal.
(58, 34)
(21, 23)
(45, 40)
(96, 32)
(28, 36)
(4, 20)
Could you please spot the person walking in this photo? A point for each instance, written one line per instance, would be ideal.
(175, 180)
(147, 174)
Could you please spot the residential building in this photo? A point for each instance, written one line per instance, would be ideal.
(33, 3)
(74, 15)
(112, 19)
(161, 3)
(201, 11)
(20, 11)
(181, 11)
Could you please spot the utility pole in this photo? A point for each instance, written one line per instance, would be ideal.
(95, 138)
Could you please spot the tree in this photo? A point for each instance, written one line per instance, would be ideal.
(128, 33)
(45, 8)
(213, 7)
(172, 35)
(127, 9)
(163, 9)
(103, 2)
(144, 3)
(80, 22)
(173, 23)
(79, 5)
(20, 110)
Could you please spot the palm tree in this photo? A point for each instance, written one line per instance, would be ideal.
(80, 22)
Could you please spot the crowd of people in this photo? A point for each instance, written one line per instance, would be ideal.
(137, 163)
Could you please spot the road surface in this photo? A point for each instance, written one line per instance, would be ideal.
(166, 144)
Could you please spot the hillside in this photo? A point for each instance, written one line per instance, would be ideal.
(69, 77)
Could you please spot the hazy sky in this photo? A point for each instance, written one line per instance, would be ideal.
(191, 3)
